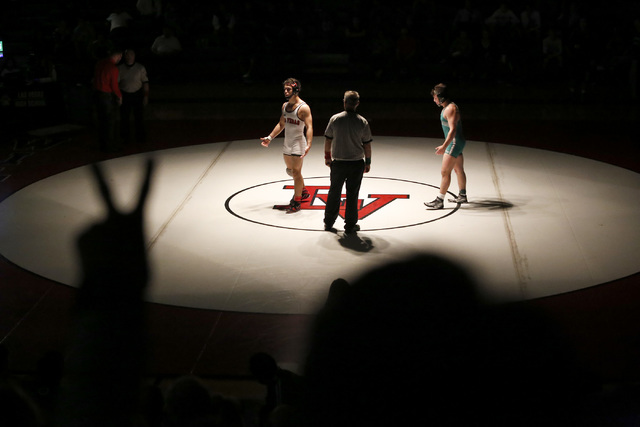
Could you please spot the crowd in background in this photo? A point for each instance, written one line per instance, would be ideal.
(51, 48)
(514, 42)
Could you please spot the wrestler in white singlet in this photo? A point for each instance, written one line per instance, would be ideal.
(295, 141)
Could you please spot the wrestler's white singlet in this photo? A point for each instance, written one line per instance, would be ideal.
(295, 141)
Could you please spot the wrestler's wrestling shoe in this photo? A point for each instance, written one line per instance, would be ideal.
(438, 203)
(305, 193)
(293, 207)
(462, 198)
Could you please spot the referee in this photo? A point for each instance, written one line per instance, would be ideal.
(347, 151)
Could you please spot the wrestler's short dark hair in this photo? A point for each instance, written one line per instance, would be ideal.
(294, 83)
(441, 91)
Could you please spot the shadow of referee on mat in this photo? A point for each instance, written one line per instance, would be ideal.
(354, 242)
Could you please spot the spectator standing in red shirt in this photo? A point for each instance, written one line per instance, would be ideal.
(108, 98)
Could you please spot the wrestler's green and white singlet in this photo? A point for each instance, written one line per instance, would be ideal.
(457, 144)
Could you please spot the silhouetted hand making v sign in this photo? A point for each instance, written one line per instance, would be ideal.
(113, 252)
(108, 346)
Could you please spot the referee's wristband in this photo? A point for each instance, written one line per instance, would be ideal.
(367, 160)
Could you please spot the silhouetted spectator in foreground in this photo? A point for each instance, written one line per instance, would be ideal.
(44, 387)
(190, 403)
(412, 343)
(284, 388)
(151, 406)
(17, 408)
(107, 350)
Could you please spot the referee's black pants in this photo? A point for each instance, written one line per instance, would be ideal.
(350, 172)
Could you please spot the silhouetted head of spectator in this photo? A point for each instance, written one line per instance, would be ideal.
(188, 402)
(151, 404)
(412, 342)
(337, 291)
(263, 367)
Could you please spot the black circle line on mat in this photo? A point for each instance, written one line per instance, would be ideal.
(227, 202)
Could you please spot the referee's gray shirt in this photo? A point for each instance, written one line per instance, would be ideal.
(348, 130)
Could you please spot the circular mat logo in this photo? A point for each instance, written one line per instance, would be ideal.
(384, 203)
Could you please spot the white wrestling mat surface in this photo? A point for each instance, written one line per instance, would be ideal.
(538, 223)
